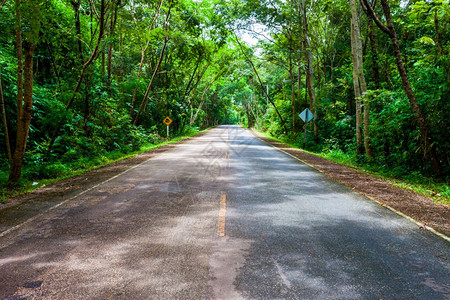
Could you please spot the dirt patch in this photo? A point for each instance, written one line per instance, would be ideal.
(22, 207)
(418, 207)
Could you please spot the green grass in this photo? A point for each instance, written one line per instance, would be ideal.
(59, 171)
(430, 187)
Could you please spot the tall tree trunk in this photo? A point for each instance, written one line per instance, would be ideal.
(76, 7)
(23, 124)
(309, 71)
(5, 124)
(299, 82)
(19, 48)
(373, 48)
(359, 84)
(291, 74)
(258, 118)
(299, 20)
(436, 29)
(87, 105)
(112, 26)
(109, 59)
(248, 111)
(429, 146)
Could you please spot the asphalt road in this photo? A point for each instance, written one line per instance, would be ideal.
(223, 216)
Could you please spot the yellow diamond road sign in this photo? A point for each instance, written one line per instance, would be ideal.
(167, 121)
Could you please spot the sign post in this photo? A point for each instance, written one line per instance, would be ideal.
(306, 116)
(167, 121)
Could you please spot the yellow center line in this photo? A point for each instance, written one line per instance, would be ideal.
(222, 213)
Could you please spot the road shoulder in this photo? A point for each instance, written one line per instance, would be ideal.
(417, 208)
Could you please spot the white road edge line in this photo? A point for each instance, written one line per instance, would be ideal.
(420, 224)
(283, 277)
(2, 234)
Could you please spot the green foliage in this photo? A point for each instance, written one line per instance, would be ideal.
(98, 122)
(203, 69)
(395, 139)
(46, 171)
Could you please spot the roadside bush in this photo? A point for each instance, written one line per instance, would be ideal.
(45, 171)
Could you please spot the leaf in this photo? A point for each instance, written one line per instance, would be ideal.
(426, 40)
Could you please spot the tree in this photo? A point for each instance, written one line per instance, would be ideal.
(25, 44)
(283, 123)
(429, 146)
(373, 47)
(143, 51)
(309, 67)
(84, 68)
(359, 83)
(158, 65)
(5, 124)
(163, 58)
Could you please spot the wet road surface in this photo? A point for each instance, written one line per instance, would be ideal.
(223, 216)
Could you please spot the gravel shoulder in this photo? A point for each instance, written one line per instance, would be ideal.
(418, 207)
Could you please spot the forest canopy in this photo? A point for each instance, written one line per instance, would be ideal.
(82, 79)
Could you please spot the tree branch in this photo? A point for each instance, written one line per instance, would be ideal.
(283, 122)
(369, 11)
(1, 5)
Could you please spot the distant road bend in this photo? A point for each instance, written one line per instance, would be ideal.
(222, 216)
